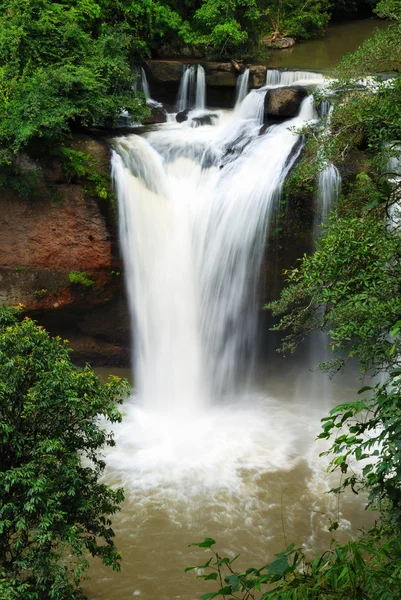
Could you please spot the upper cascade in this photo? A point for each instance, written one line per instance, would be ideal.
(242, 87)
(274, 77)
(192, 90)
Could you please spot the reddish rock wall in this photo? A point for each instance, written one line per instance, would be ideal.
(61, 229)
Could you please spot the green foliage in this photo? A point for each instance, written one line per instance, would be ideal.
(298, 18)
(53, 508)
(348, 288)
(42, 293)
(80, 278)
(61, 65)
(358, 570)
(82, 165)
(222, 27)
(381, 52)
(369, 430)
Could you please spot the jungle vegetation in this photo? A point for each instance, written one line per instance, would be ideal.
(54, 510)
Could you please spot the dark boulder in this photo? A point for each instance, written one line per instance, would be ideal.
(203, 120)
(158, 115)
(284, 101)
(182, 116)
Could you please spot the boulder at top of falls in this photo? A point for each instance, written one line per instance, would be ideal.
(182, 116)
(284, 101)
(280, 43)
(158, 115)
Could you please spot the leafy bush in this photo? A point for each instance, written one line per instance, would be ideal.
(54, 509)
(355, 571)
(62, 65)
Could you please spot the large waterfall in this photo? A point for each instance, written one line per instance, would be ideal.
(195, 205)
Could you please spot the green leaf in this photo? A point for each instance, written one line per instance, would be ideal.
(204, 566)
(207, 543)
(210, 576)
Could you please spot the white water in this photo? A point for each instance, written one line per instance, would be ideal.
(186, 86)
(329, 185)
(200, 451)
(145, 85)
(200, 100)
(192, 241)
(275, 78)
(242, 87)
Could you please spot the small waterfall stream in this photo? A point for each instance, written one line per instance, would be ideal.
(145, 85)
(200, 100)
(242, 87)
(192, 89)
(329, 185)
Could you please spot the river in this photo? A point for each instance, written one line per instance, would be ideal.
(325, 53)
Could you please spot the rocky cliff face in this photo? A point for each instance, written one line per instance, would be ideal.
(59, 256)
(221, 79)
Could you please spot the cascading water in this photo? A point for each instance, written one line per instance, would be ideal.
(200, 100)
(242, 87)
(199, 452)
(193, 236)
(192, 90)
(145, 85)
(186, 90)
(273, 77)
(329, 186)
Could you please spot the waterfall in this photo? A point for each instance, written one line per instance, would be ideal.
(273, 77)
(192, 241)
(145, 85)
(242, 87)
(329, 185)
(292, 77)
(200, 101)
(187, 88)
(252, 106)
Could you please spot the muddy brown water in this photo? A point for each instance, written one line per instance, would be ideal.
(325, 53)
(256, 512)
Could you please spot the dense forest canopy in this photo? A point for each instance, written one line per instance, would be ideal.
(69, 63)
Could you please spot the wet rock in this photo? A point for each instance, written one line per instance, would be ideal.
(284, 101)
(158, 115)
(257, 76)
(280, 43)
(164, 71)
(204, 120)
(182, 116)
